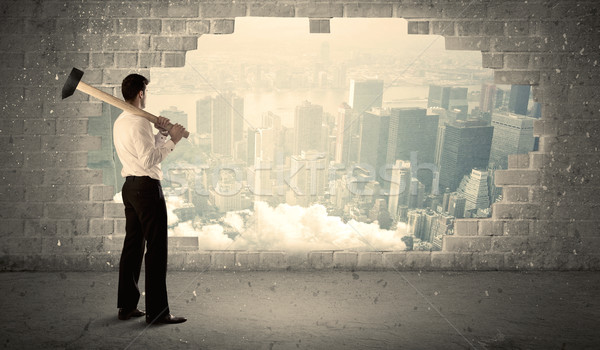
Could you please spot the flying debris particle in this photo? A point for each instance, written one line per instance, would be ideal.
(487, 294)
(574, 252)
(436, 293)
(194, 292)
(56, 77)
(58, 244)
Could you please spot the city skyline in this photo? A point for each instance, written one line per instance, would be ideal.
(322, 122)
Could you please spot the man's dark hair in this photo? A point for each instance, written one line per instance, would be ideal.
(132, 84)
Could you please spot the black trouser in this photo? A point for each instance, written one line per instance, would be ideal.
(146, 221)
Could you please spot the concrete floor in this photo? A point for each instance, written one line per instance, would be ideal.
(310, 310)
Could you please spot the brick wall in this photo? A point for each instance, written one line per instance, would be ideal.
(55, 213)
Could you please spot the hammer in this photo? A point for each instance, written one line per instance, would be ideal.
(74, 83)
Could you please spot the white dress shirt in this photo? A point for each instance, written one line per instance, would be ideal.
(139, 150)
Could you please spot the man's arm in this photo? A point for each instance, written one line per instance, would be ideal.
(149, 153)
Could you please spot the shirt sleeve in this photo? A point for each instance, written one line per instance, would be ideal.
(151, 150)
(159, 140)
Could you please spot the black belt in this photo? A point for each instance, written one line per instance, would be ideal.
(139, 178)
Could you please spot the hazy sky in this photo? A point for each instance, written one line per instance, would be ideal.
(287, 42)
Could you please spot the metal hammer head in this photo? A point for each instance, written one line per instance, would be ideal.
(71, 83)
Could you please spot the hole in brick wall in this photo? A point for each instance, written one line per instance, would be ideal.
(330, 141)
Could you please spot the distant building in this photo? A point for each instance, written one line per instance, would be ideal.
(456, 205)
(487, 99)
(227, 194)
(308, 177)
(265, 142)
(474, 188)
(345, 123)
(203, 116)
(466, 146)
(412, 130)
(227, 122)
(308, 121)
(519, 99)
(399, 186)
(446, 200)
(176, 116)
(374, 133)
(420, 224)
(250, 139)
(259, 180)
(513, 134)
(380, 214)
(365, 94)
(448, 97)
(416, 194)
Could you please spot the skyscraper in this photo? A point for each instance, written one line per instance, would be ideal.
(203, 115)
(519, 99)
(374, 139)
(487, 97)
(250, 139)
(448, 97)
(466, 146)
(412, 130)
(365, 94)
(474, 188)
(500, 96)
(343, 137)
(513, 134)
(458, 99)
(227, 121)
(308, 122)
(456, 205)
(308, 177)
(399, 186)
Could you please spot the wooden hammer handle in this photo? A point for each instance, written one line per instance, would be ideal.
(110, 99)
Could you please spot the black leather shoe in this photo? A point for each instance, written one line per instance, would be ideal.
(167, 319)
(125, 314)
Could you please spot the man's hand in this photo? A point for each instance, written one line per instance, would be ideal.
(162, 124)
(176, 132)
